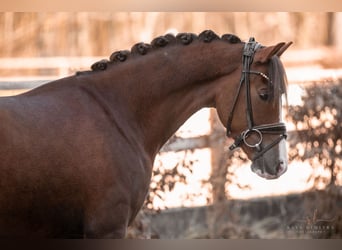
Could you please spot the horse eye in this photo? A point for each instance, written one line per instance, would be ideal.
(263, 94)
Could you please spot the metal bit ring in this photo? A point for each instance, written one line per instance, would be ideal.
(247, 133)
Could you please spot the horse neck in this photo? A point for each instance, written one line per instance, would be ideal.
(164, 88)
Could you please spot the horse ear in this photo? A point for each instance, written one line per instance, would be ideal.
(263, 55)
(282, 49)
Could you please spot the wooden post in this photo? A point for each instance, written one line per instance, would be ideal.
(8, 33)
(218, 164)
(338, 32)
(217, 176)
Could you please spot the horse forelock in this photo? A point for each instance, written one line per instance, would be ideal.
(278, 84)
(141, 49)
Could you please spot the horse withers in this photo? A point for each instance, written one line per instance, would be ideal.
(77, 153)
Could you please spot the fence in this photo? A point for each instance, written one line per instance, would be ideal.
(302, 66)
(49, 68)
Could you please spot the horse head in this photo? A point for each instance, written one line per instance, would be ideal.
(254, 116)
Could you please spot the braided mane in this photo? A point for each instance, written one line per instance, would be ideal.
(161, 41)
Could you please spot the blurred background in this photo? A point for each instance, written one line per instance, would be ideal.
(199, 189)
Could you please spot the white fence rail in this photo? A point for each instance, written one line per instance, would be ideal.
(301, 65)
(212, 140)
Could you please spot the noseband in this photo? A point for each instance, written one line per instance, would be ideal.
(256, 131)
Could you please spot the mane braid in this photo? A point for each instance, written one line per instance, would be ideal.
(141, 49)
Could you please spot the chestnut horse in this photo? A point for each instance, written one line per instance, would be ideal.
(77, 153)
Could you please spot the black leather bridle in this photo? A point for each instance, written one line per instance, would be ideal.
(255, 131)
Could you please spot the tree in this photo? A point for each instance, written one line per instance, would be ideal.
(319, 136)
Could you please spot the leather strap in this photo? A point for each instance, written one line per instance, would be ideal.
(274, 128)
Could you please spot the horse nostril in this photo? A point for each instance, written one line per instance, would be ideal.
(281, 167)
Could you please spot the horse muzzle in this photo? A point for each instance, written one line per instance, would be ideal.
(273, 163)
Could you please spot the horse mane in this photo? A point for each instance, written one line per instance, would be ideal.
(141, 48)
(278, 84)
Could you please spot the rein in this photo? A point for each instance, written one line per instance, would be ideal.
(256, 131)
